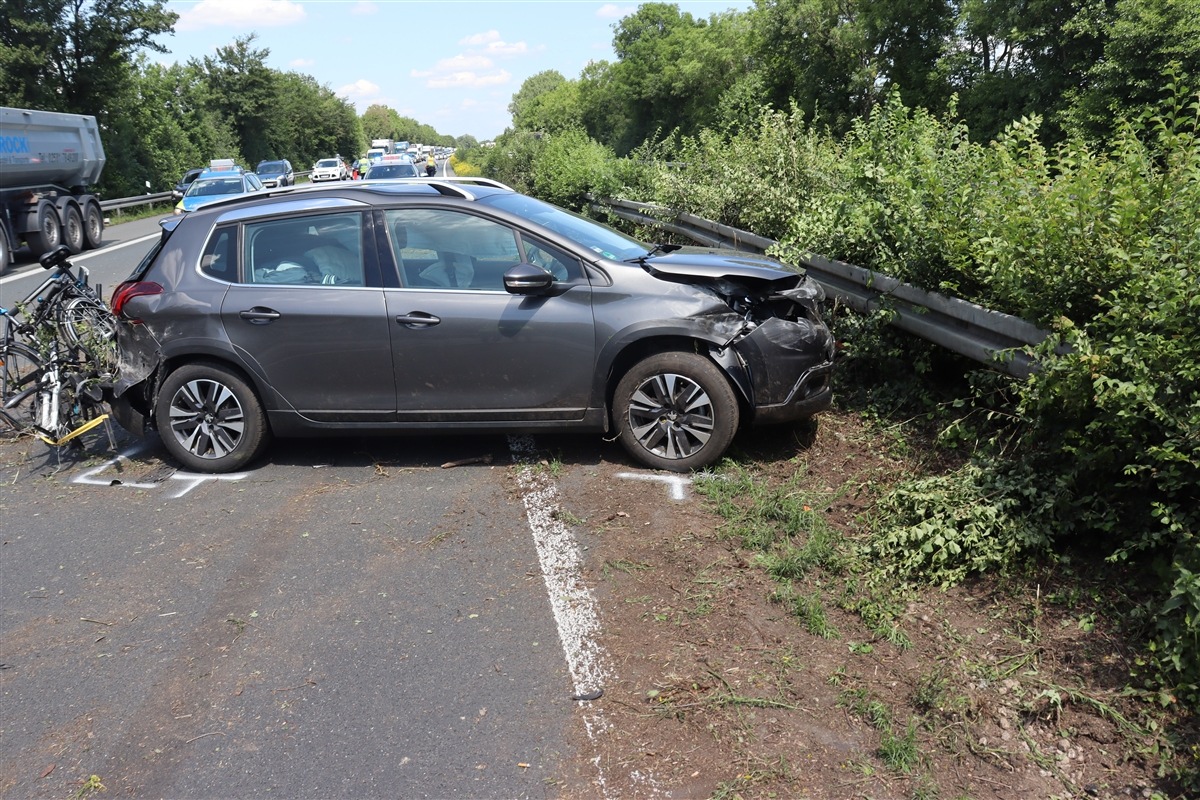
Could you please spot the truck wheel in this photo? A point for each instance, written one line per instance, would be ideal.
(93, 224)
(72, 227)
(5, 251)
(48, 234)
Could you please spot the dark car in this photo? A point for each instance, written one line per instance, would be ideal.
(441, 305)
(181, 188)
(275, 173)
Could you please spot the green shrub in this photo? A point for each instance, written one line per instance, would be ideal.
(570, 166)
(1100, 450)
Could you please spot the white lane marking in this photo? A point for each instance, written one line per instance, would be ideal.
(82, 257)
(677, 483)
(570, 598)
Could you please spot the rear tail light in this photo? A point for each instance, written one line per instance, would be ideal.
(129, 290)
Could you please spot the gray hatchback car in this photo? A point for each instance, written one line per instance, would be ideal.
(454, 306)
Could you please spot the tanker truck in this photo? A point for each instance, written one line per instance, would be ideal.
(47, 161)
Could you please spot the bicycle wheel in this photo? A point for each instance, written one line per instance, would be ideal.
(20, 370)
(88, 323)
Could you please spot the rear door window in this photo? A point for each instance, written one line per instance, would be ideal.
(322, 249)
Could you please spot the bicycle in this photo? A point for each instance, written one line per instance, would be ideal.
(54, 362)
(68, 302)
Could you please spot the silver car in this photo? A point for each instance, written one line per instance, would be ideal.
(439, 305)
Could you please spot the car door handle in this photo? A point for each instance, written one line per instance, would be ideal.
(259, 316)
(419, 318)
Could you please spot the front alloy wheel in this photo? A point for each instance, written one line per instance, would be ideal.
(210, 419)
(675, 411)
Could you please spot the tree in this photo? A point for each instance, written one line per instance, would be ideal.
(821, 54)
(534, 87)
(1147, 40)
(75, 55)
(243, 89)
(381, 122)
(1008, 59)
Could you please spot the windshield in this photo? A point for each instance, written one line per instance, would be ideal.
(598, 238)
(392, 171)
(208, 187)
(271, 166)
(327, 162)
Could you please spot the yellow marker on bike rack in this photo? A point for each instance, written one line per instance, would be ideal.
(84, 428)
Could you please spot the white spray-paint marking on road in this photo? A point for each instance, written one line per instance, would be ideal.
(195, 480)
(677, 483)
(570, 599)
(92, 476)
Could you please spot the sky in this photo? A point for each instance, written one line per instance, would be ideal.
(451, 64)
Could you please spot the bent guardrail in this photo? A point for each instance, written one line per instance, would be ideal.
(990, 337)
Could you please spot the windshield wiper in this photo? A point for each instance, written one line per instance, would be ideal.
(658, 248)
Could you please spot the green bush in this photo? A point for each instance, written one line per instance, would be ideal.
(570, 166)
(1100, 450)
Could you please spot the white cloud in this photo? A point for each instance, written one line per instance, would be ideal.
(468, 80)
(301, 63)
(364, 8)
(477, 39)
(463, 71)
(241, 14)
(613, 11)
(360, 89)
(506, 49)
(490, 42)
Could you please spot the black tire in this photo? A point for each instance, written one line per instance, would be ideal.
(675, 411)
(93, 224)
(72, 227)
(5, 250)
(210, 419)
(49, 230)
(20, 369)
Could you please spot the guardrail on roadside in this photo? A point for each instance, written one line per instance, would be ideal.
(990, 337)
(148, 199)
(130, 202)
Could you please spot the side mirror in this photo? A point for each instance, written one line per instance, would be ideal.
(527, 279)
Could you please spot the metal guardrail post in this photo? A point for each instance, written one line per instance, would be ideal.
(990, 337)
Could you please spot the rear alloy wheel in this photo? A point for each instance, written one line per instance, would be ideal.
(209, 419)
(675, 411)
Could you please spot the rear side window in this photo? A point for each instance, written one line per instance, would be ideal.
(324, 249)
(219, 258)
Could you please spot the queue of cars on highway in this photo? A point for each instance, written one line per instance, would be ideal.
(222, 178)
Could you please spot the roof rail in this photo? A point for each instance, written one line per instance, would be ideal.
(450, 180)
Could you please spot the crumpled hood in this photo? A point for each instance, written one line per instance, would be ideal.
(736, 276)
(709, 265)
